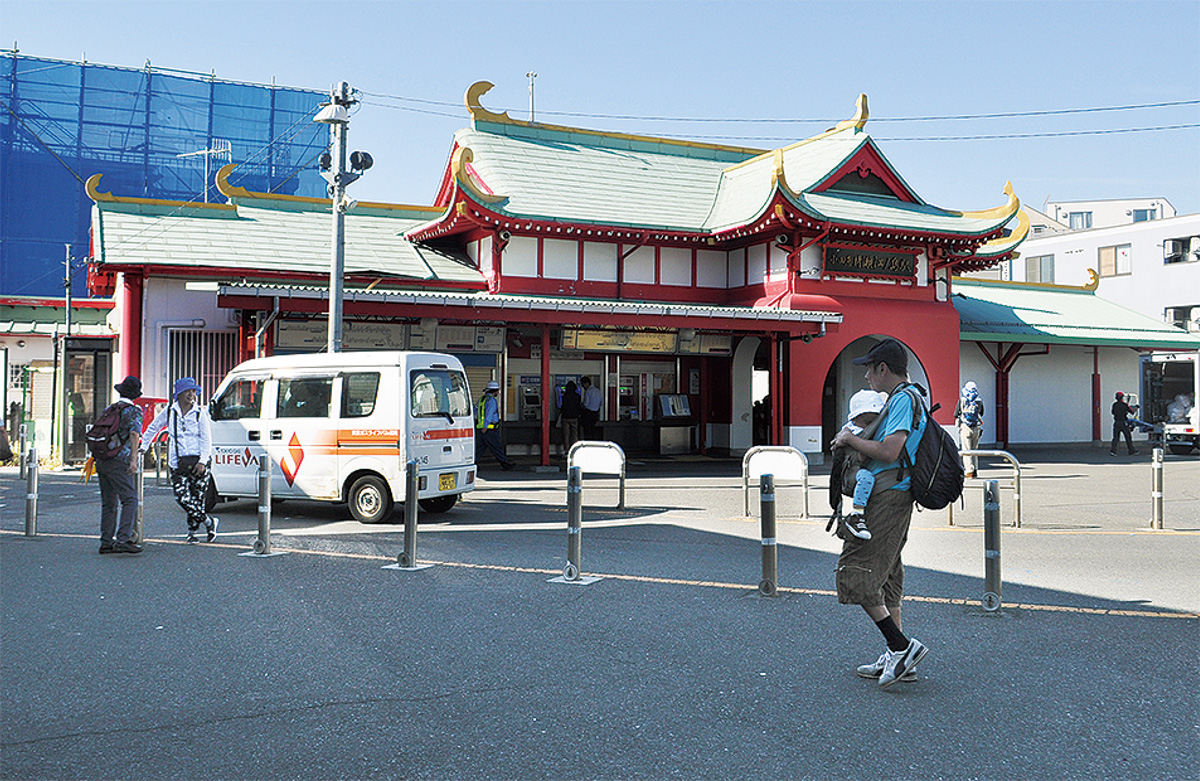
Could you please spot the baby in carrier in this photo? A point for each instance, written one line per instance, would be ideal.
(847, 475)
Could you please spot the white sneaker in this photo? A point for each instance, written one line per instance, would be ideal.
(875, 669)
(902, 663)
(214, 522)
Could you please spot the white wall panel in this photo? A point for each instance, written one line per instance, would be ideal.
(778, 270)
(710, 268)
(756, 270)
(560, 259)
(599, 262)
(639, 266)
(737, 268)
(520, 257)
(675, 266)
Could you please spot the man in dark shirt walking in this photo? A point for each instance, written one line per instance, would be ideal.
(1121, 412)
(115, 475)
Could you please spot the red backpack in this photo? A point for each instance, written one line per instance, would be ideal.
(104, 437)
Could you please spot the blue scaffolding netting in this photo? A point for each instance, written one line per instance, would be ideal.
(152, 132)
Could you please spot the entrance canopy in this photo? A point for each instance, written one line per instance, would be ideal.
(528, 309)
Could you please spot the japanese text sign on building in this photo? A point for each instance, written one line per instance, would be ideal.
(869, 263)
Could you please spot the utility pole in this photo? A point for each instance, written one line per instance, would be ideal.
(335, 113)
(64, 379)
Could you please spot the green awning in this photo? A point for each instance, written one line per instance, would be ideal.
(992, 311)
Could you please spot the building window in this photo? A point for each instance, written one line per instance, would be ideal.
(1115, 261)
(1145, 215)
(1181, 250)
(1079, 220)
(1039, 268)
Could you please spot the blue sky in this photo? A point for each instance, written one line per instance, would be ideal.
(718, 61)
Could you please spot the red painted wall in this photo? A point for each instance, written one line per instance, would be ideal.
(930, 329)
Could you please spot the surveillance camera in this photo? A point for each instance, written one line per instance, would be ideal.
(505, 235)
(782, 239)
(806, 338)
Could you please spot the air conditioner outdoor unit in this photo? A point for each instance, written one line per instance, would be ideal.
(1195, 246)
(1172, 248)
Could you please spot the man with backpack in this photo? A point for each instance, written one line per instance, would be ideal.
(870, 572)
(113, 441)
(969, 414)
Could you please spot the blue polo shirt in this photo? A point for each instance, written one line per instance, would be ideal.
(899, 417)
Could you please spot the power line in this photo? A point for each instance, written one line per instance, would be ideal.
(994, 136)
(769, 120)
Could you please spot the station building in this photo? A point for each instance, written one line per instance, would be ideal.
(684, 279)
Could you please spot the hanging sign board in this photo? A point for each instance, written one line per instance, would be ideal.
(622, 341)
(859, 262)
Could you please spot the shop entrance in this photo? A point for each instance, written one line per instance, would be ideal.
(89, 380)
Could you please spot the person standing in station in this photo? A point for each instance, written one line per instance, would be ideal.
(487, 425)
(118, 490)
(189, 455)
(1121, 412)
(870, 573)
(969, 414)
(569, 409)
(589, 416)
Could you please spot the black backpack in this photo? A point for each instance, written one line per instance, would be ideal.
(936, 470)
(104, 437)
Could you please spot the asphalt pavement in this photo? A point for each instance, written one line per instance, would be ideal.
(196, 661)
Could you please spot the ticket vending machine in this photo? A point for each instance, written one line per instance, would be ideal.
(629, 403)
(530, 398)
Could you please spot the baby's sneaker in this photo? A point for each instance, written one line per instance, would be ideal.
(855, 524)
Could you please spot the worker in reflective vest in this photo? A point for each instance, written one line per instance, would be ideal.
(487, 424)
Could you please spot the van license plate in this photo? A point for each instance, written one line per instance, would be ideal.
(447, 482)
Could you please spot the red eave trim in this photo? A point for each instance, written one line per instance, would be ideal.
(223, 273)
(59, 303)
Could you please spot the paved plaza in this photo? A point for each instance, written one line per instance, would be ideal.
(197, 662)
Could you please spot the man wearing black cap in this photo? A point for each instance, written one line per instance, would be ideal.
(115, 475)
(870, 573)
(1121, 412)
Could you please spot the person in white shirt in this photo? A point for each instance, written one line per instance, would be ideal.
(589, 416)
(189, 454)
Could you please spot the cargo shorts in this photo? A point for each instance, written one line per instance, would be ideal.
(869, 572)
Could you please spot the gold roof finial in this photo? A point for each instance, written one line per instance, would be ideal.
(860, 115)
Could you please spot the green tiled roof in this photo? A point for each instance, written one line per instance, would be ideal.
(290, 238)
(1014, 312)
(554, 174)
(36, 318)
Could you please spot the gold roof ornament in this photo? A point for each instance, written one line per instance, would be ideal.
(1006, 211)
(859, 119)
(459, 162)
(478, 112)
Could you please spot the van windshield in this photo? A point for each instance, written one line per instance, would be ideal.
(439, 393)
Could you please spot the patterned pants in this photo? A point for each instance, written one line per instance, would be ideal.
(190, 490)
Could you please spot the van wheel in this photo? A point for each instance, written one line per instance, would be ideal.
(211, 497)
(370, 500)
(438, 504)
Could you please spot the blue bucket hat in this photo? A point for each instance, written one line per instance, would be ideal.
(186, 384)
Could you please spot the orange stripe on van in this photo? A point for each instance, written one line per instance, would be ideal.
(450, 433)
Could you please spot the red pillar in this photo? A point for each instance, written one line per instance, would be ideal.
(1097, 419)
(547, 395)
(131, 325)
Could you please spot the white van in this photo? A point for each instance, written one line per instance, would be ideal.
(342, 427)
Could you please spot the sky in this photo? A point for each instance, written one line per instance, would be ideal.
(757, 74)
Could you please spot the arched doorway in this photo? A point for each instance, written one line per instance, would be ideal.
(741, 434)
(844, 379)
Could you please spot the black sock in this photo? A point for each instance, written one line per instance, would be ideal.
(896, 641)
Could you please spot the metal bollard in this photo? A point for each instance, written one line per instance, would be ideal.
(573, 570)
(770, 552)
(140, 518)
(1156, 489)
(31, 493)
(408, 559)
(262, 545)
(991, 545)
(22, 456)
